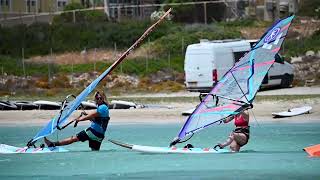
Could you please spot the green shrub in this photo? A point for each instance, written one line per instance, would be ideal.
(43, 83)
(309, 8)
(194, 13)
(168, 86)
(73, 6)
(60, 81)
(189, 35)
(296, 47)
(39, 38)
(12, 40)
(14, 66)
(80, 17)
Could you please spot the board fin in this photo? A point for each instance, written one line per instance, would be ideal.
(125, 145)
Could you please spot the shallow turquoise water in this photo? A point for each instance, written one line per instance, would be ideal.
(274, 152)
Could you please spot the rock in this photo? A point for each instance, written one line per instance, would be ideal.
(303, 21)
(310, 53)
(312, 69)
(296, 60)
(123, 81)
(162, 75)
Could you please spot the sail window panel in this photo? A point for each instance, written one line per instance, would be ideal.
(205, 117)
(230, 88)
(210, 101)
(241, 78)
(238, 55)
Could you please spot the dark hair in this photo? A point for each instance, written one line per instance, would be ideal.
(102, 95)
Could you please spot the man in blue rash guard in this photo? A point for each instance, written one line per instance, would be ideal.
(95, 133)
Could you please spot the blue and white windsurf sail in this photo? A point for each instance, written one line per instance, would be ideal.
(60, 119)
(237, 89)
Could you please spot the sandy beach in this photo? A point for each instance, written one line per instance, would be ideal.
(262, 112)
(278, 143)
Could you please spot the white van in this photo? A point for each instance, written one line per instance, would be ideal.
(206, 62)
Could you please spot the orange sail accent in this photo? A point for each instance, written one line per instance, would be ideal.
(313, 151)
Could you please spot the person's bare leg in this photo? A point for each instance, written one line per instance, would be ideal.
(240, 138)
(234, 146)
(63, 142)
(67, 141)
(228, 141)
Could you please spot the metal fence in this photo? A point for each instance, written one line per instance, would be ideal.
(203, 12)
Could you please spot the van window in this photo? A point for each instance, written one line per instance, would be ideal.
(238, 55)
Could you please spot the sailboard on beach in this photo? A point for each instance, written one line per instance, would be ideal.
(59, 121)
(237, 89)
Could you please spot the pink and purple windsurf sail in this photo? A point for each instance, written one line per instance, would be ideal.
(238, 87)
(61, 118)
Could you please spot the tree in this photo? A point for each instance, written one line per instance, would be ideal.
(309, 8)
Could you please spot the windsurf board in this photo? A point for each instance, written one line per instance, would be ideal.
(293, 112)
(172, 150)
(7, 149)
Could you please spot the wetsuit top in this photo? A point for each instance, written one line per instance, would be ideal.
(100, 123)
(239, 121)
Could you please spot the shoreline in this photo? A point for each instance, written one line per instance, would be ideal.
(262, 112)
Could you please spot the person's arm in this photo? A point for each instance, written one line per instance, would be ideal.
(90, 116)
(245, 115)
(228, 119)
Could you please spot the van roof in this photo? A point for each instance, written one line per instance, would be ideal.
(228, 43)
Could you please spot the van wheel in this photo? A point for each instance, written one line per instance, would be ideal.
(286, 81)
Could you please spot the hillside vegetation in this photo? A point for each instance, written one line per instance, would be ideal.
(162, 52)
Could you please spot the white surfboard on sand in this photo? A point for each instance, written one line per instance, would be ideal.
(48, 105)
(188, 112)
(88, 105)
(293, 112)
(119, 104)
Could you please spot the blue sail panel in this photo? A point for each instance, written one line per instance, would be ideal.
(239, 86)
(69, 109)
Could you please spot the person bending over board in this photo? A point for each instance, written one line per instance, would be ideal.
(240, 135)
(95, 133)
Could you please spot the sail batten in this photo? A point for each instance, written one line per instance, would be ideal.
(238, 87)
